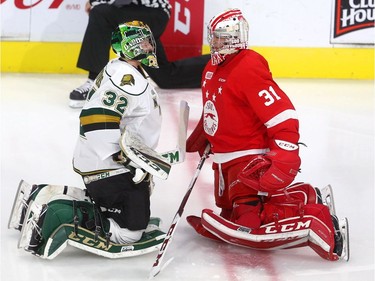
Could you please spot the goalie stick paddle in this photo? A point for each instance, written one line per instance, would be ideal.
(177, 155)
(156, 268)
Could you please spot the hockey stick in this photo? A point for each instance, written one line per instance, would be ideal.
(96, 177)
(156, 268)
(177, 155)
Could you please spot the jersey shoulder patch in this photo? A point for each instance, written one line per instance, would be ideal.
(126, 78)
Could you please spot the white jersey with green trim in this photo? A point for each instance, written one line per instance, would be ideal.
(120, 99)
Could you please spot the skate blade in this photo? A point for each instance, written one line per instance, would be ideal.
(328, 200)
(23, 240)
(15, 214)
(344, 229)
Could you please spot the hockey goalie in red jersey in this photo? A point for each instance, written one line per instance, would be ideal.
(253, 130)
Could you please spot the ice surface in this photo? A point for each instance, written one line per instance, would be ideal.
(38, 134)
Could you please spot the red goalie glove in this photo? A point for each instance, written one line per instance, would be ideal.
(271, 172)
(197, 141)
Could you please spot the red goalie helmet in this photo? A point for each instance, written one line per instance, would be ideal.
(227, 33)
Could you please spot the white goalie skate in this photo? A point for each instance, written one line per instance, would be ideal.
(40, 194)
(31, 231)
(19, 205)
(341, 225)
(327, 198)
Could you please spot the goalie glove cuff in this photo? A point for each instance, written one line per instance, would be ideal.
(120, 158)
(197, 141)
(283, 170)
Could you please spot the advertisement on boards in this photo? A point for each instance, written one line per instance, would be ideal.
(183, 36)
(66, 21)
(353, 22)
(43, 20)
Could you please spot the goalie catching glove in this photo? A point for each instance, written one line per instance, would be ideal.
(139, 174)
(273, 171)
(197, 141)
(119, 157)
(142, 157)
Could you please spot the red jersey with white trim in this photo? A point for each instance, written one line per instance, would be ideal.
(244, 109)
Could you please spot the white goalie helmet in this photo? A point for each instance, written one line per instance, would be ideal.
(227, 33)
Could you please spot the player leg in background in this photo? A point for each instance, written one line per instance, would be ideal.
(94, 53)
(183, 73)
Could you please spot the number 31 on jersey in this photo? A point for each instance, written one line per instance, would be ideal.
(269, 95)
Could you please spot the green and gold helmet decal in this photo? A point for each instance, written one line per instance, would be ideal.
(134, 41)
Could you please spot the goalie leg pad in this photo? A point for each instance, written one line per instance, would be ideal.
(196, 223)
(149, 242)
(51, 227)
(298, 192)
(43, 220)
(284, 234)
(40, 194)
(227, 186)
(246, 212)
(86, 240)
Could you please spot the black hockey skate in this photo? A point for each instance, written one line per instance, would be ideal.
(77, 97)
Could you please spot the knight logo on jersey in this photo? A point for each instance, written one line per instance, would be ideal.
(210, 118)
(127, 79)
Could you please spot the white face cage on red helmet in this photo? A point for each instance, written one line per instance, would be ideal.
(227, 33)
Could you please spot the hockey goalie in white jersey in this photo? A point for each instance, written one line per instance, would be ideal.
(119, 129)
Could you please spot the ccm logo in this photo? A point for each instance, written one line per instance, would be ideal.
(182, 26)
(288, 227)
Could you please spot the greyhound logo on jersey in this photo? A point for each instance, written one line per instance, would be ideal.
(210, 118)
(127, 79)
